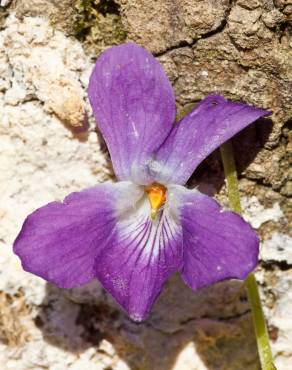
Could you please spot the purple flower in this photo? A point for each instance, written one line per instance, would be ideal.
(133, 234)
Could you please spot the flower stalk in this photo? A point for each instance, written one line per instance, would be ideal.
(261, 333)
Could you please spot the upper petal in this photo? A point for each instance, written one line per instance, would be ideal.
(140, 257)
(210, 124)
(60, 241)
(217, 244)
(134, 106)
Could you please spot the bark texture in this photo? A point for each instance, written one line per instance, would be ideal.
(49, 148)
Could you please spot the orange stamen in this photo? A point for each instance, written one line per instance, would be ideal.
(157, 197)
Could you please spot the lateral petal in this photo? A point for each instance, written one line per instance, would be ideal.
(60, 241)
(212, 122)
(217, 244)
(134, 106)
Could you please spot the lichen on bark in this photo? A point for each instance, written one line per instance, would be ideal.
(97, 23)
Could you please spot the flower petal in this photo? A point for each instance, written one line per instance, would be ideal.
(218, 244)
(134, 106)
(139, 258)
(60, 241)
(210, 124)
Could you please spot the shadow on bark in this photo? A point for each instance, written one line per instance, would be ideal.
(214, 322)
(209, 176)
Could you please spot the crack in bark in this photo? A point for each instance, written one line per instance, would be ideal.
(220, 319)
(198, 319)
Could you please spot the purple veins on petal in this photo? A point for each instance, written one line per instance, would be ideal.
(140, 258)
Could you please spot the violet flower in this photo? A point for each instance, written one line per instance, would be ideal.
(133, 234)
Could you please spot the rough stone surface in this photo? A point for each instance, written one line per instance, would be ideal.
(162, 25)
(5, 2)
(49, 147)
(59, 13)
(277, 249)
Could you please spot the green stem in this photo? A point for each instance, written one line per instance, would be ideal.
(260, 328)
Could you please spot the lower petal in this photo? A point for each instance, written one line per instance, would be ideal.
(139, 258)
(218, 244)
